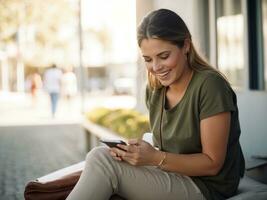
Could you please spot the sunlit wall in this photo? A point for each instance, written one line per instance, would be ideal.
(230, 40)
(111, 25)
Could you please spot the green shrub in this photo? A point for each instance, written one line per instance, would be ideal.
(126, 122)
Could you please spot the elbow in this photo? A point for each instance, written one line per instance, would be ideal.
(213, 172)
(215, 169)
(214, 165)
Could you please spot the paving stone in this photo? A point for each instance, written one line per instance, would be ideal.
(28, 152)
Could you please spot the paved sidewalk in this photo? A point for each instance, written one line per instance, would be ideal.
(29, 152)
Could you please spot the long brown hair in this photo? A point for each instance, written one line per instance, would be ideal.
(166, 25)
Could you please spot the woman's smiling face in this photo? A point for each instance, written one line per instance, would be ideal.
(166, 61)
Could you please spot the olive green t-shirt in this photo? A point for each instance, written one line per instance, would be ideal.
(207, 94)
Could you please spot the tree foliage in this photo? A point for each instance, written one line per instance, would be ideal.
(46, 16)
(47, 19)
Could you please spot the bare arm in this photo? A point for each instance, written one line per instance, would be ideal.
(214, 138)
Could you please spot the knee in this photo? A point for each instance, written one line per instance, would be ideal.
(97, 153)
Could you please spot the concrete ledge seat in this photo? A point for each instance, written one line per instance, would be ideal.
(248, 189)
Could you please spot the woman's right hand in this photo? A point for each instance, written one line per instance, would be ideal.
(138, 153)
(114, 155)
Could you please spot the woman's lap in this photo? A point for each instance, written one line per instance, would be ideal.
(132, 182)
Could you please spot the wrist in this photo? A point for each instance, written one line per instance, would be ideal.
(158, 157)
(162, 161)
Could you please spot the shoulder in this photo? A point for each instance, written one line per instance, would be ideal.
(216, 96)
(212, 80)
(153, 92)
(207, 75)
(153, 96)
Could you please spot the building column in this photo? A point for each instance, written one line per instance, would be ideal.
(142, 8)
(20, 76)
(5, 75)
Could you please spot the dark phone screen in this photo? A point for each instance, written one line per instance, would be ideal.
(113, 143)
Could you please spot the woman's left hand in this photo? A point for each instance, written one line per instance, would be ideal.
(137, 152)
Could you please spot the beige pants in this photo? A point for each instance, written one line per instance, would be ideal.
(103, 176)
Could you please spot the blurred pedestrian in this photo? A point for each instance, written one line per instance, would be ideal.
(52, 84)
(69, 84)
(35, 84)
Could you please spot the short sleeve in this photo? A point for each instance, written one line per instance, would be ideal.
(216, 96)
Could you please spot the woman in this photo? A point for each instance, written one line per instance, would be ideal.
(194, 120)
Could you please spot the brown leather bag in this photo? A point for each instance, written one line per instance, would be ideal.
(57, 189)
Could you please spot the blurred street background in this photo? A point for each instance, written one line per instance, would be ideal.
(18, 108)
(61, 59)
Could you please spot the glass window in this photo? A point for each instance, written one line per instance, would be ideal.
(264, 21)
(230, 41)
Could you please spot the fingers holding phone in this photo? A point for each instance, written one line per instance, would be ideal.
(113, 143)
(115, 150)
(114, 154)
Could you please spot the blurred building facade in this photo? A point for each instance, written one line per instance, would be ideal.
(232, 35)
(102, 53)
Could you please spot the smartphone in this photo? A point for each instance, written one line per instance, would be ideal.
(113, 143)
